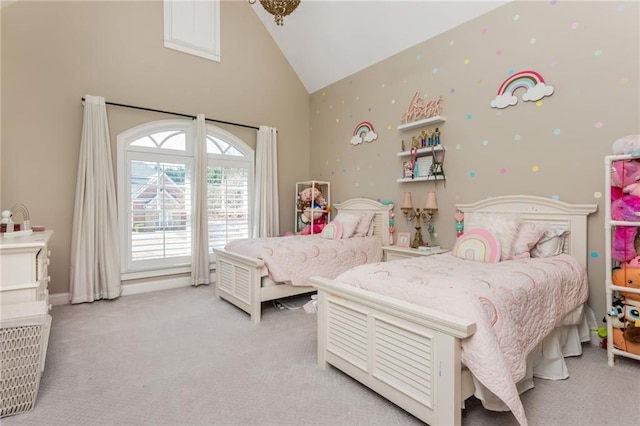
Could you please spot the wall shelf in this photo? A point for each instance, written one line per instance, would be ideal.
(422, 151)
(424, 122)
(421, 179)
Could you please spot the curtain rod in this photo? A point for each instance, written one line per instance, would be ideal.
(179, 114)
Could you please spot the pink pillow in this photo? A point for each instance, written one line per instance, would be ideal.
(528, 236)
(362, 230)
(479, 245)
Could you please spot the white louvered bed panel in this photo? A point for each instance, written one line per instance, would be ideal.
(347, 335)
(403, 360)
(235, 280)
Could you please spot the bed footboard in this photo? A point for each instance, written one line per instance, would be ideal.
(238, 280)
(406, 353)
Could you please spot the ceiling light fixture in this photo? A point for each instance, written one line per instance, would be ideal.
(278, 8)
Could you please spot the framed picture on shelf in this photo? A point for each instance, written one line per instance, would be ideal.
(403, 239)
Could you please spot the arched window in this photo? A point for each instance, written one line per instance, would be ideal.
(155, 200)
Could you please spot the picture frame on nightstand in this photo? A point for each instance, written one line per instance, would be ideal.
(404, 239)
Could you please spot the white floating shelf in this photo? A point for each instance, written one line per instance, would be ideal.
(421, 179)
(422, 151)
(424, 122)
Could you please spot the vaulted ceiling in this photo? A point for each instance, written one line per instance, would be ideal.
(328, 40)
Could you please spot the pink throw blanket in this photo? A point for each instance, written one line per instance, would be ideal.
(515, 304)
(299, 257)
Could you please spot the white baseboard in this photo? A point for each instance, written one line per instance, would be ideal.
(58, 299)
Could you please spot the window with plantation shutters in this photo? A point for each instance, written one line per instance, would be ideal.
(155, 174)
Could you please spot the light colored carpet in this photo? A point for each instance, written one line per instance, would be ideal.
(182, 357)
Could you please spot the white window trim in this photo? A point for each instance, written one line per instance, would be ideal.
(203, 28)
(123, 157)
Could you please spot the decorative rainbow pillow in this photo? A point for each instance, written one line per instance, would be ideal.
(333, 231)
(479, 245)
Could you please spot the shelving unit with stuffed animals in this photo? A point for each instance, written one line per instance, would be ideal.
(313, 201)
(622, 260)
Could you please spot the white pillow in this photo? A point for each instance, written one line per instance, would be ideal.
(349, 222)
(551, 243)
(504, 226)
(529, 235)
(362, 230)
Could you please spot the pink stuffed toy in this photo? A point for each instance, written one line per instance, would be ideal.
(625, 174)
(625, 209)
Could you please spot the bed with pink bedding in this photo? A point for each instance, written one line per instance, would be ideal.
(297, 258)
(252, 271)
(428, 332)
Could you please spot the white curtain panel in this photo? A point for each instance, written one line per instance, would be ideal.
(95, 258)
(200, 237)
(266, 212)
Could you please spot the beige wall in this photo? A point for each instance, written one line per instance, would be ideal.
(588, 51)
(53, 53)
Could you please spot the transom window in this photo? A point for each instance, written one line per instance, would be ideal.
(155, 175)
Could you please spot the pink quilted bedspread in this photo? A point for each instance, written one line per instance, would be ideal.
(299, 257)
(515, 304)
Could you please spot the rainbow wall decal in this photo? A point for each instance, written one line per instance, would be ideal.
(363, 133)
(533, 82)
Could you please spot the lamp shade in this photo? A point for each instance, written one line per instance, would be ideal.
(432, 204)
(406, 201)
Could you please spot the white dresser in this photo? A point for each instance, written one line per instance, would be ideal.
(24, 277)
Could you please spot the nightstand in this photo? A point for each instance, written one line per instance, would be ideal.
(395, 252)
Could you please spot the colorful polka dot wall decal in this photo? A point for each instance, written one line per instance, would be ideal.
(503, 171)
(554, 64)
(485, 142)
(517, 137)
(452, 90)
(324, 94)
(594, 255)
(466, 61)
(382, 86)
(597, 53)
(483, 31)
(499, 52)
(598, 125)
(434, 71)
(458, 147)
(620, 7)
(418, 57)
(533, 41)
(472, 174)
(574, 26)
(535, 169)
(451, 43)
(597, 195)
(337, 120)
(555, 197)
(469, 116)
(556, 132)
(393, 101)
(389, 127)
(330, 106)
(516, 17)
(351, 116)
(624, 80)
(539, 103)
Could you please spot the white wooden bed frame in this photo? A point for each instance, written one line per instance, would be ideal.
(410, 354)
(239, 278)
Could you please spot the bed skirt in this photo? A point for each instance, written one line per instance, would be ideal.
(547, 360)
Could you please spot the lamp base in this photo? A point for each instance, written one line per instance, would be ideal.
(417, 239)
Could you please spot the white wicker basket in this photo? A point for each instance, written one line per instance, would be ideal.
(21, 351)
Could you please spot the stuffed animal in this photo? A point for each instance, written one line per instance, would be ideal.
(627, 276)
(626, 327)
(314, 207)
(625, 174)
(626, 208)
(626, 145)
